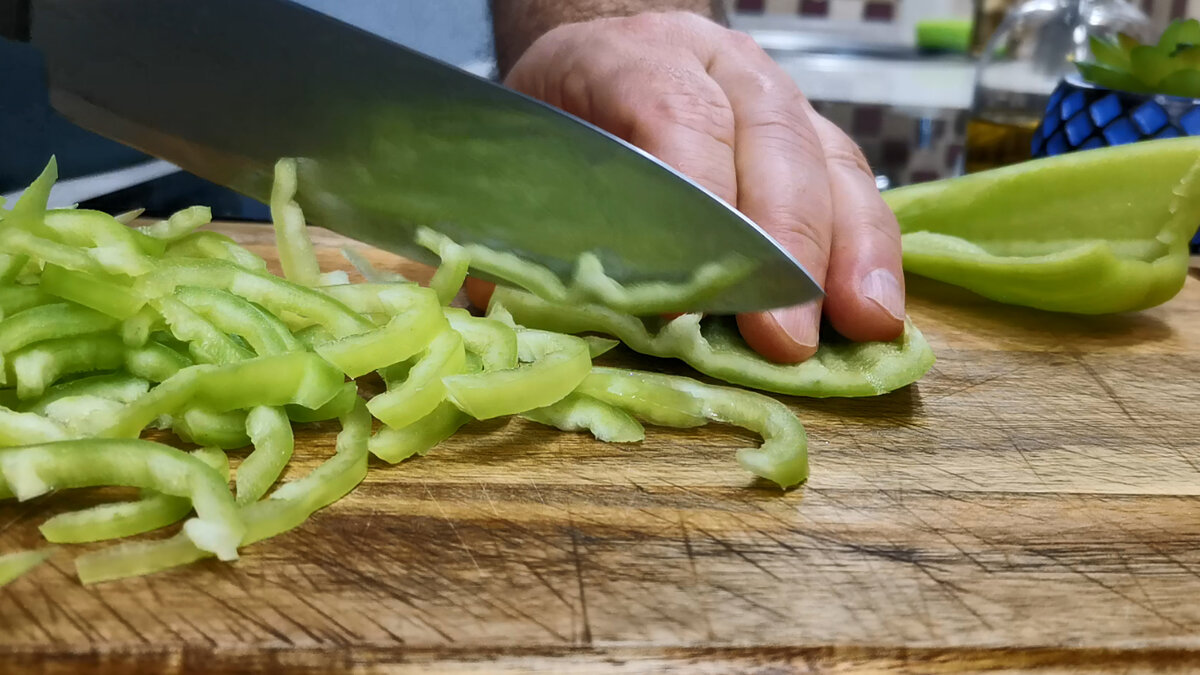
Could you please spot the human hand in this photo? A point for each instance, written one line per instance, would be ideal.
(709, 102)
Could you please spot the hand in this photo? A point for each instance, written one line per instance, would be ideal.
(709, 102)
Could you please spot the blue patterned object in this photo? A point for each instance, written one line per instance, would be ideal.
(1083, 116)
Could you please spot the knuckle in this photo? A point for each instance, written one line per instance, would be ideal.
(849, 156)
(743, 42)
(677, 97)
(802, 235)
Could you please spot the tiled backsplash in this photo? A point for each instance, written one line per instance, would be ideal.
(846, 10)
(1160, 11)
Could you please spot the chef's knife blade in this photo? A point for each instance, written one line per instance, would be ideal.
(389, 140)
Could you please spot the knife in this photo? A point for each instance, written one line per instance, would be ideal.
(387, 140)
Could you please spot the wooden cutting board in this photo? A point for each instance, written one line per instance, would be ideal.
(1033, 504)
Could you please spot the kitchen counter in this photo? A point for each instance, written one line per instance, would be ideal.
(1032, 505)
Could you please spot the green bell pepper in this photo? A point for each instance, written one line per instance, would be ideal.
(1091, 232)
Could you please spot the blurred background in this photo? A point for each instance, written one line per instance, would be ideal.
(903, 77)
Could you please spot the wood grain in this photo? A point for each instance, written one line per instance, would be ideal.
(1032, 505)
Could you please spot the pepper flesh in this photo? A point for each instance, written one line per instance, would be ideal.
(285, 509)
(783, 456)
(714, 348)
(33, 470)
(558, 363)
(296, 254)
(13, 565)
(1091, 232)
(125, 519)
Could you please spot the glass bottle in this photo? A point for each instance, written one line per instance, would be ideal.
(1034, 47)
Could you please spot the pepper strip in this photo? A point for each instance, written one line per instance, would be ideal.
(104, 293)
(783, 456)
(501, 265)
(231, 314)
(209, 244)
(494, 342)
(16, 564)
(44, 363)
(154, 361)
(406, 334)
(44, 322)
(270, 431)
(34, 470)
(14, 299)
(126, 519)
(276, 295)
(296, 254)
(287, 508)
(557, 364)
(201, 426)
(120, 387)
(376, 298)
(28, 212)
(592, 285)
(300, 378)
(579, 412)
(589, 284)
(452, 272)
(82, 415)
(21, 428)
(83, 227)
(395, 445)
(336, 407)
(714, 348)
(114, 246)
(423, 389)
(368, 271)
(206, 343)
(18, 243)
(135, 330)
(179, 224)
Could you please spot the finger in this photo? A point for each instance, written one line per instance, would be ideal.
(783, 185)
(865, 283)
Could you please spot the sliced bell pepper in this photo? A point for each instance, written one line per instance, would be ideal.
(783, 456)
(270, 431)
(579, 412)
(557, 364)
(423, 389)
(296, 254)
(395, 445)
(42, 364)
(105, 293)
(33, 470)
(209, 244)
(714, 348)
(17, 563)
(202, 426)
(125, 519)
(180, 224)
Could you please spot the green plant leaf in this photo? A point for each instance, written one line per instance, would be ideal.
(1185, 83)
(1180, 33)
(1108, 53)
(1186, 56)
(1111, 78)
(1127, 42)
(1150, 64)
